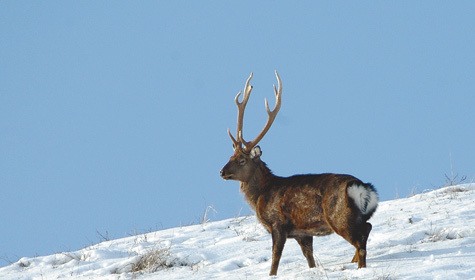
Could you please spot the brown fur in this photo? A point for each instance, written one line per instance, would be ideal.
(300, 206)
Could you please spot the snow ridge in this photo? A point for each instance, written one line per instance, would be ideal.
(427, 236)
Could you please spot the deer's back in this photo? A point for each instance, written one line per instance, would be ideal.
(302, 204)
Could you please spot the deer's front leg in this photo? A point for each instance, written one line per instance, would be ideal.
(306, 243)
(278, 241)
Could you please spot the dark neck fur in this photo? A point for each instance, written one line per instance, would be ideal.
(260, 182)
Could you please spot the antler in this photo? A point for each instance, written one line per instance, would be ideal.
(241, 106)
(272, 114)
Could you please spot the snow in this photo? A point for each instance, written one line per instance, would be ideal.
(427, 236)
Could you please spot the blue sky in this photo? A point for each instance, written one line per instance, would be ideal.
(113, 115)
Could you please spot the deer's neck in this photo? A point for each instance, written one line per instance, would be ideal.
(258, 185)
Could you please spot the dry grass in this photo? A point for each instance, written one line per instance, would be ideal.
(153, 260)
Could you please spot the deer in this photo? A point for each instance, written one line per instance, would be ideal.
(299, 206)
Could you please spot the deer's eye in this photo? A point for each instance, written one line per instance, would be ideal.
(242, 161)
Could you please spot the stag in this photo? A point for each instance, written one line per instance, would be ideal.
(300, 206)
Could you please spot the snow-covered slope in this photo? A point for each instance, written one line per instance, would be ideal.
(427, 236)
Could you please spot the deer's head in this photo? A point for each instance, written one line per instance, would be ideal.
(246, 157)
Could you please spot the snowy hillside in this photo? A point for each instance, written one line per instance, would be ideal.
(427, 236)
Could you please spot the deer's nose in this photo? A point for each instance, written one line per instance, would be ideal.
(224, 175)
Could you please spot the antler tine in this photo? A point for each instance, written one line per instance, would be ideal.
(235, 143)
(241, 107)
(272, 114)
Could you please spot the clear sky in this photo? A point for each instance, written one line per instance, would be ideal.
(113, 115)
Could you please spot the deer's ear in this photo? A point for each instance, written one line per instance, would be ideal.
(256, 152)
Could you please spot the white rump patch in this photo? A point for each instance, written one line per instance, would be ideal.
(364, 197)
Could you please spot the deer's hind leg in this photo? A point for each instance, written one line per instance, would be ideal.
(359, 241)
